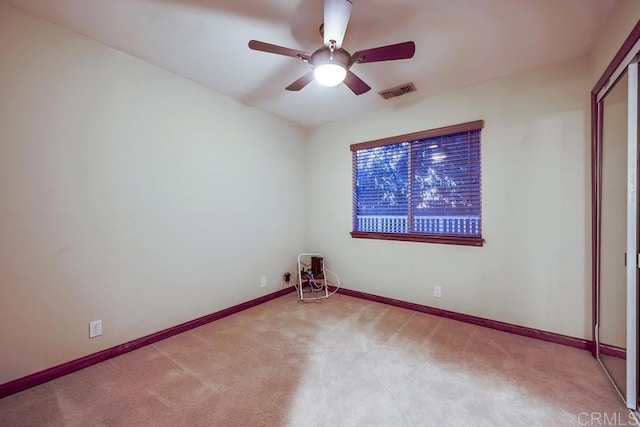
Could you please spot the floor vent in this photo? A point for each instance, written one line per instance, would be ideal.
(394, 92)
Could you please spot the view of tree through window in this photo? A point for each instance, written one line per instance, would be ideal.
(427, 186)
(383, 180)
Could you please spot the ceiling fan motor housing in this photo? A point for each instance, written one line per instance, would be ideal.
(325, 55)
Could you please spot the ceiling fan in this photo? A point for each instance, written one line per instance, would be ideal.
(330, 65)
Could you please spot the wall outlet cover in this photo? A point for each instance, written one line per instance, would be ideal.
(95, 328)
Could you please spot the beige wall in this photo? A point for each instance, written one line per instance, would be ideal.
(128, 194)
(533, 270)
(117, 202)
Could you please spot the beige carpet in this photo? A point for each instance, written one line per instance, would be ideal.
(339, 362)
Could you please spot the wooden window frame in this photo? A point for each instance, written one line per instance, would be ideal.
(413, 237)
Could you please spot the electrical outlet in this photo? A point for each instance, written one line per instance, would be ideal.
(437, 292)
(95, 328)
(263, 282)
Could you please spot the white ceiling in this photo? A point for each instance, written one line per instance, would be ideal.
(458, 43)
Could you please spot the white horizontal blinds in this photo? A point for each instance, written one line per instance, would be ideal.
(381, 188)
(446, 192)
(427, 186)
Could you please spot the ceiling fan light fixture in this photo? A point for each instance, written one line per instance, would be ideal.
(329, 74)
(330, 66)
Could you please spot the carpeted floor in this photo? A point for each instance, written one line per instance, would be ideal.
(339, 362)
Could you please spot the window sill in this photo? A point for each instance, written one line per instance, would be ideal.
(423, 238)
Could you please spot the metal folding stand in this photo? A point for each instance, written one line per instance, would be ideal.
(312, 276)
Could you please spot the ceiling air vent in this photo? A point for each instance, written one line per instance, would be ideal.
(394, 92)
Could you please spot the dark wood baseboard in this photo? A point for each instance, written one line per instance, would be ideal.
(37, 378)
(612, 350)
(580, 343)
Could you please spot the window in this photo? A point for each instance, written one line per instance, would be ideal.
(422, 187)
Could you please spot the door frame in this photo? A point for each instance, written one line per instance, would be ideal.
(623, 58)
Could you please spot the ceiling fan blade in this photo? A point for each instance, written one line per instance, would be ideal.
(386, 53)
(278, 50)
(301, 82)
(336, 18)
(356, 84)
